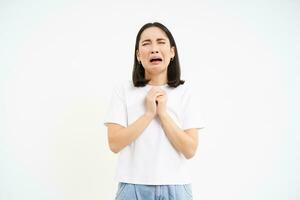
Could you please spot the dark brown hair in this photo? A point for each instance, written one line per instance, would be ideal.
(173, 74)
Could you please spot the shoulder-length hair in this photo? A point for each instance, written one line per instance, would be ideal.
(173, 73)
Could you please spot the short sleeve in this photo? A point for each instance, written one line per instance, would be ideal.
(192, 115)
(116, 111)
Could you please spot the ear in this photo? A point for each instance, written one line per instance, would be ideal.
(137, 55)
(173, 52)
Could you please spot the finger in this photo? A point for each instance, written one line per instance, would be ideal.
(156, 88)
(152, 91)
(158, 94)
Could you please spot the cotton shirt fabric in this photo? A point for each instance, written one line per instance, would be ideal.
(151, 159)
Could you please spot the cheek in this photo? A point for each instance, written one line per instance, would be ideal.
(167, 52)
(143, 52)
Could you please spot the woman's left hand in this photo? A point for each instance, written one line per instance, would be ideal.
(161, 108)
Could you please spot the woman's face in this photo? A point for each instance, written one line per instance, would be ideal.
(154, 50)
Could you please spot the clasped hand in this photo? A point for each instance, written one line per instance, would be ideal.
(156, 101)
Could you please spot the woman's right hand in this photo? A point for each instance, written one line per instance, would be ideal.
(151, 105)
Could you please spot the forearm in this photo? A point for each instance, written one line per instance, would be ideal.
(122, 137)
(180, 140)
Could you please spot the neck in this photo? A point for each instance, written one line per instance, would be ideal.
(158, 79)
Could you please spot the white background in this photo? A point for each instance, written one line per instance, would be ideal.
(60, 59)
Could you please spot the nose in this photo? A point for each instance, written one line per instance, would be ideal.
(154, 49)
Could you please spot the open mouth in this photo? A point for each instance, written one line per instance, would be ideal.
(155, 60)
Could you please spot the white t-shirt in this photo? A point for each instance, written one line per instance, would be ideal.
(151, 159)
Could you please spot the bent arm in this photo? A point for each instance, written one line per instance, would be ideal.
(185, 142)
(120, 136)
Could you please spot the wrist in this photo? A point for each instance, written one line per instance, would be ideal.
(162, 114)
(149, 115)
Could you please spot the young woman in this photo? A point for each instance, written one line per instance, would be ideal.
(153, 122)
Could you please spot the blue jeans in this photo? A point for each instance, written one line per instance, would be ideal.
(128, 191)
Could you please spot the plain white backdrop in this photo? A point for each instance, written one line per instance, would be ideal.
(60, 59)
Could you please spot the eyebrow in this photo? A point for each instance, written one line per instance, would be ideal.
(158, 39)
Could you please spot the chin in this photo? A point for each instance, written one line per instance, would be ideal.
(156, 69)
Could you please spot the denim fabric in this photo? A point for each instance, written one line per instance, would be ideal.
(128, 191)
